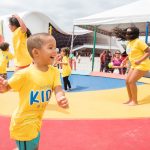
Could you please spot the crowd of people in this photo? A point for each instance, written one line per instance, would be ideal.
(110, 63)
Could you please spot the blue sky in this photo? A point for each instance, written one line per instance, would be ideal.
(62, 12)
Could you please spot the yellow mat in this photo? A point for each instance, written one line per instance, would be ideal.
(145, 80)
(89, 105)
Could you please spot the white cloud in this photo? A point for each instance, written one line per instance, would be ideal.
(62, 12)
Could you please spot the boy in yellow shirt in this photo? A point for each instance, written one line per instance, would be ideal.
(35, 85)
(5, 56)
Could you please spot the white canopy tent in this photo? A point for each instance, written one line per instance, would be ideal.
(137, 13)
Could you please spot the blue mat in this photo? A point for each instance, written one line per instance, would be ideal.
(81, 83)
(91, 83)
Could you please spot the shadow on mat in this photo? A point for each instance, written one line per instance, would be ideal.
(145, 100)
(79, 88)
(55, 107)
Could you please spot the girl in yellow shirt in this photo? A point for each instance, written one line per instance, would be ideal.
(138, 55)
(66, 69)
(20, 34)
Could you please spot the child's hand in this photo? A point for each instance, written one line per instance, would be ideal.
(57, 60)
(58, 57)
(122, 65)
(15, 16)
(137, 62)
(3, 85)
(63, 102)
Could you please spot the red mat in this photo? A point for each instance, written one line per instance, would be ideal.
(123, 134)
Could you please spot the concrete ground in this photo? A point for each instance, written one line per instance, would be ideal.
(86, 65)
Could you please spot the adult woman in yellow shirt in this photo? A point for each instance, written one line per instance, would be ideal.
(138, 55)
(20, 35)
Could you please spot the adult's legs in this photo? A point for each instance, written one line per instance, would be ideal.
(102, 66)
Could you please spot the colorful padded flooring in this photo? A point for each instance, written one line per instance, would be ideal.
(96, 119)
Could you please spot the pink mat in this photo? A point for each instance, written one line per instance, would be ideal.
(109, 75)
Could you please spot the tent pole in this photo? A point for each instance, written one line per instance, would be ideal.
(94, 44)
(72, 39)
(147, 31)
(109, 43)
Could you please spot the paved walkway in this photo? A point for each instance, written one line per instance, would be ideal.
(86, 65)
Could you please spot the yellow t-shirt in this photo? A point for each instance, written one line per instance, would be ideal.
(35, 88)
(135, 50)
(66, 69)
(5, 56)
(22, 57)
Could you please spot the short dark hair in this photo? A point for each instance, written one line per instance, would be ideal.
(36, 41)
(4, 46)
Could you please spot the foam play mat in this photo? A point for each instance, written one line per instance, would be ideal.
(97, 119)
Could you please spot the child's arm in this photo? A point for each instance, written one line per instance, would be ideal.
(60, 97)
(57, 60)
(4, 86)
(62, 63)
(125, 60)
(22, 24)
(117, 67)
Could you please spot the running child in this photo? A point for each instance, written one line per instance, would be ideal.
(35, 85)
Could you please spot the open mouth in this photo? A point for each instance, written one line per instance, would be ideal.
(51, 57)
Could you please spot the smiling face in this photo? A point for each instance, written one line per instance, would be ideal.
(46, 54)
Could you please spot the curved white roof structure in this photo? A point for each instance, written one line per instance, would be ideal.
(31, 18)
(36, 22)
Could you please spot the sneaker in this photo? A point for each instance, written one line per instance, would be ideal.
(68, 90)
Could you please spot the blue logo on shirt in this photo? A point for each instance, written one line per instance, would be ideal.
(39, 96)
